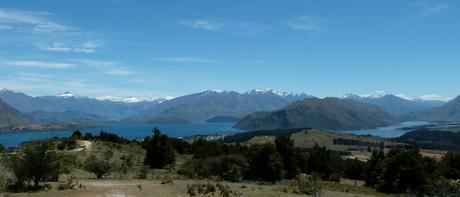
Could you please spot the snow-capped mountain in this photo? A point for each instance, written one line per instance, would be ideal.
(67, 101)
(271, 91)
(132, 99)
(394, 104)
(66, 95)
(211, 103)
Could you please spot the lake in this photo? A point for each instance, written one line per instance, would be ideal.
(128, 131)
(387, 132)
(139, 131)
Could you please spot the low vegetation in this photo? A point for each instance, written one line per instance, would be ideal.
(279, 163)
(432, 139)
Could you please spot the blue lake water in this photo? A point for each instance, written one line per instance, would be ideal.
(129, 131)
(387, 132)
(139, 131)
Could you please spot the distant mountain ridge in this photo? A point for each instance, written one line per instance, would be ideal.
(327, 113)
(194, 107)
(109, 109)
(221, 119)
(394, 104)
(205, 105)
(25, 103)
(448, 112)
(11, 118)
(46, 117)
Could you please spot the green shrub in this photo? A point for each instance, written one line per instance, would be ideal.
(35, 162)
(97, 166)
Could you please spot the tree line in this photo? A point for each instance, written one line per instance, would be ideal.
(400, 170)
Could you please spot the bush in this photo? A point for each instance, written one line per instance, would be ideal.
(6, 178)
(67, 143)
(450, 165)
(209, 189)
(228, 167)
(97, 166)
(334, 177)
(353, 169)
(76, 135)
(306, 184)
(143, 173)
(36, 162)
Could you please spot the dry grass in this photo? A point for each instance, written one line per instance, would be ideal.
(128, 188)
(324, 138)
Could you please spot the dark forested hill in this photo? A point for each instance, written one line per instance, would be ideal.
(328, 113)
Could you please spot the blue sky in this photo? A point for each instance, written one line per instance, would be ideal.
(171, 48)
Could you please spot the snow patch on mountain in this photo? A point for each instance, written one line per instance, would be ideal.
(132, 99)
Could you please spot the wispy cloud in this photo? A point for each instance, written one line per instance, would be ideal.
(108, 67)
(6, 27)
(434, 97)
(428, 8)
(39, 64)
(226, 26)
(119, 71)
(185, 60)
(38, 84)
(404, 96)
(304, 23)
(87, 47)
(38, 22)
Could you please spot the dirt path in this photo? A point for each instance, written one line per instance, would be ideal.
(84, 145)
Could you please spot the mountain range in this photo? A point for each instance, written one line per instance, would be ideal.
(49, 117)
(208, 104)
(106, 108)
(11, 118)
(253, 108)
(327, 113)
(394, 104)
(448, 112)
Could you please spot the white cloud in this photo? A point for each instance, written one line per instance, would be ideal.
(119, 71)
(108, 67)
(207, 24)
(37, 84)
(87, 47)
(226, 26)
(304, 23)
(39, 64)
(404, 96)
(434, 97)
(185, 60)
(95, 63)
(38, 22)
